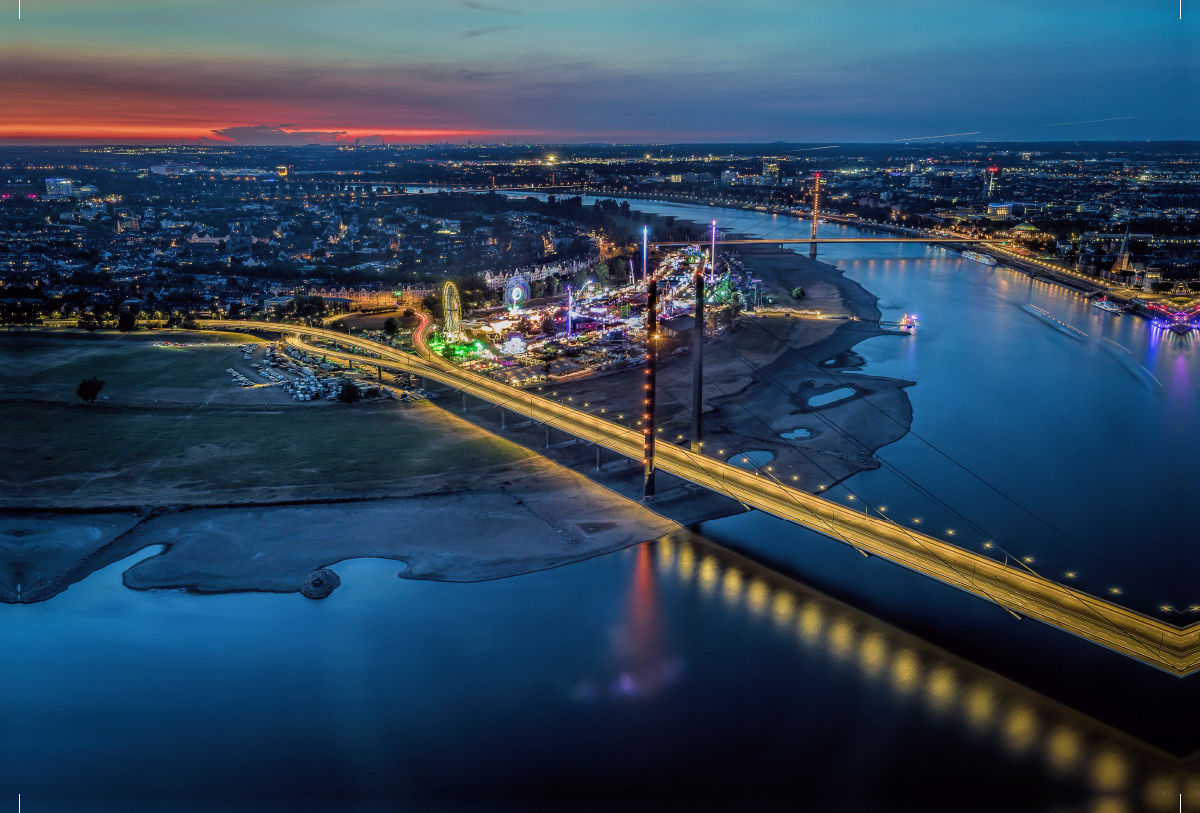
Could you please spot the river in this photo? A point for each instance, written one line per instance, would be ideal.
(675, 674)
(673, 670)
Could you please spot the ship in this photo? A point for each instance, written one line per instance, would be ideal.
(1103, 304)
(1060, 326)
(979, 258)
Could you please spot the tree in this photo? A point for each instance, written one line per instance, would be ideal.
(433, 304)
(349, 393)
(373, 392)
(798, 293)
(89, 389)
(392, 326)
(126, 321)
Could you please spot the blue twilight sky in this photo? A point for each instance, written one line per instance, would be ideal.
(282, 71)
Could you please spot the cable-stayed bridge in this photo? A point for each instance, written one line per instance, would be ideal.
(1016, 588)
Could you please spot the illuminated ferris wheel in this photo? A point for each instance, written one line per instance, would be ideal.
(451, 314)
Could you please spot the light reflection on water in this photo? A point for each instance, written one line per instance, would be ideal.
(639, 664)
(1021, 722)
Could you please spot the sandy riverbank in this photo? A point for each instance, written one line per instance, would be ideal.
(258, 495)
(540, 516)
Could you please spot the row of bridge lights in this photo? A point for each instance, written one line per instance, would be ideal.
(648, 417)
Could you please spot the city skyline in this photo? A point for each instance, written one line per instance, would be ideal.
(326, 72)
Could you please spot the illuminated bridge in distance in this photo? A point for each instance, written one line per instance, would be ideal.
(809, 240)
(1017, 589)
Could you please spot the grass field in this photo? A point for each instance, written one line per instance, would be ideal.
(53, 364)
(195, 448)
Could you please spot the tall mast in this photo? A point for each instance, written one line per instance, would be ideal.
(812, 247)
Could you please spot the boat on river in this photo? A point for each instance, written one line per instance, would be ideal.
(1061, 327)
(979, 258)
(1103, 304)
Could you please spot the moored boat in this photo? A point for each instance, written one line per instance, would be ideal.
(979, 258)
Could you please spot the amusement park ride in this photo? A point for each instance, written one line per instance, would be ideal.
(1178, 321)
(452, 332)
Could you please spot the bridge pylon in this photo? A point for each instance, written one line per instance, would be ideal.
(698, 347)
(649, 386)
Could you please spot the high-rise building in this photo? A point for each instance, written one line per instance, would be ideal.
(770, 173)
(991, 183)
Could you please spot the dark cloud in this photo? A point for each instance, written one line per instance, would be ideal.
(481, 31)
(486, 7)
(278, 135)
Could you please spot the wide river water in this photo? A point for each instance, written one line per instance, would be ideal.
(674, 673)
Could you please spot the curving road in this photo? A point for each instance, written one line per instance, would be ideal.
(1017, 589)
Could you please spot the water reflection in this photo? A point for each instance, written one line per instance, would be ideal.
(642, 659)
(1024, 724)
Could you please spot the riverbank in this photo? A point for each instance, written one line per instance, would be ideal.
(168, 460)
(526, 517)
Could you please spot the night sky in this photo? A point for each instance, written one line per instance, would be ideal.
(304, 71)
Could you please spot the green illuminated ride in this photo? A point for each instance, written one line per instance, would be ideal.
(722, 293)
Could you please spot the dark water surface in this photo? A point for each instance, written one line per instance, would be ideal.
(673, 674)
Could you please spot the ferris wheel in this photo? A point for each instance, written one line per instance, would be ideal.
(451, 313)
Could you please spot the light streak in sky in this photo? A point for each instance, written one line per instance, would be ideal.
(926, 138)
(807, 149)
(1089, 121)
